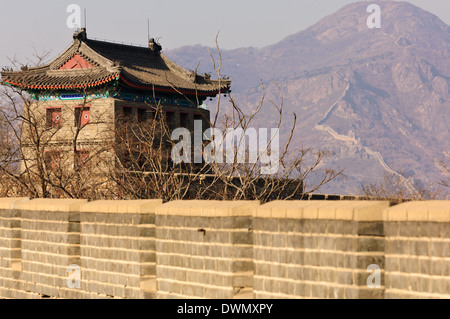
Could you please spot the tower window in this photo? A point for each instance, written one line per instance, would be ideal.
(142, 115)
(184, 121)
(82, 116)
(128, 114)
(171, 120)
(54, 116)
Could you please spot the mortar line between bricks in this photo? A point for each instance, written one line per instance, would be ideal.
(42, 243)
(118, 261)
(424, 239)
(411, 274)
(83, 271)
(8, 249)
(99, 224)
(312, 282)
(277, 294)
(37, 263)
(302, 297)
(65, 222)
(416, 293)
(51, 232)
(35, 252)
(45, 275)
(9, 228)
(11, 238)
(96, 259)
(195, 229)
(28, 230)
(204, 257)
(165, 293)
(192, 283)
(87, 282)
(102, 248)
(103, 236)
(349, 236)
(115, 273)
(19, 291)
(22, 282)
(203, 243)
(43, 222)
(340, 269)
(215, 272)
(10, 218)
(426, 257)
(320, 250)
(41, 253)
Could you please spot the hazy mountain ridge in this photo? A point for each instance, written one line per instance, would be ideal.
(357, 91)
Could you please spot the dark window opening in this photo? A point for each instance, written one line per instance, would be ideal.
(128, 114)
(184, 121)
(171, 120)
(142, 115)
(82, 116)
(54, 117)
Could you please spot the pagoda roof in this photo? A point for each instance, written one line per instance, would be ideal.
(90, 63)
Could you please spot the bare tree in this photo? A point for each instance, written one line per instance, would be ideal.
(147, 170)
(392, 187)
(445, 168)
(41, 157)
(41, 145)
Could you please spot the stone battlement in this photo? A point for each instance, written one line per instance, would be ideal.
(226, 250)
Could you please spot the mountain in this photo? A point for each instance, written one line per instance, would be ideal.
(378, 99)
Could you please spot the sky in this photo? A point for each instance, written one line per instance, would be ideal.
(41, 26)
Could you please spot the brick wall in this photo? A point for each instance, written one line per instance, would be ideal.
(10, 248)
(204, 249)
(213, 249)
(49, 243)
(418, 250)
(118, 257)
(317, 249)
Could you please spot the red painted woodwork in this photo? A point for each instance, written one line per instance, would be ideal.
(76, 62)
(82, 118)
(85, 117)
(56, 117)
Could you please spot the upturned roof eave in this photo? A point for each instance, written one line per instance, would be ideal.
(44, 77)
(196, 90)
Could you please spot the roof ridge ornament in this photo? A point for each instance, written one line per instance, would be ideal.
(128, 67)
(155, 47)
(80, 35)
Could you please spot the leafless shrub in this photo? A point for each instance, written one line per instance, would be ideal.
(445, 168)
(392, 187)
(133, 160)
